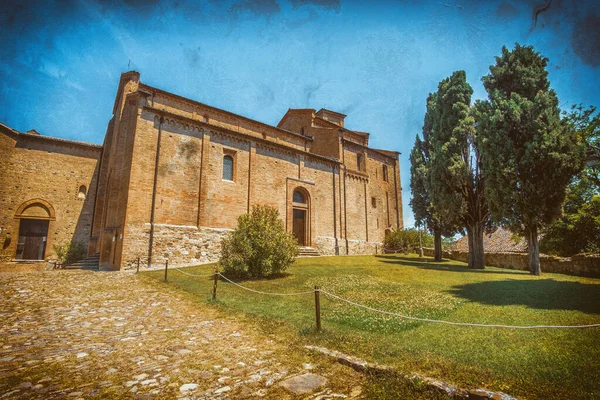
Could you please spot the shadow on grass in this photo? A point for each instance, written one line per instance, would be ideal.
(428, 263)
(543, 294)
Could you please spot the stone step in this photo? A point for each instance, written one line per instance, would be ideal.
(85, 268)
(90, 263)
(307, 252)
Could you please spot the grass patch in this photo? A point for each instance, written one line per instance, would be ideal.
(529, 363)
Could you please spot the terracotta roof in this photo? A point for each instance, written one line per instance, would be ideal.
(501, 241)
(334, 125)
(152, 88)
(36, 135)
(331, 112)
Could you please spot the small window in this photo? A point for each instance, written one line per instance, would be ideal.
(299, 198)
(385, 173)
(302, 131)
(228, 168)
(374, 202)
(82, 192)
(359, 162)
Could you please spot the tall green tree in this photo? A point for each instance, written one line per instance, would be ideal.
(420, 167)
(456, 180)
(529, 153)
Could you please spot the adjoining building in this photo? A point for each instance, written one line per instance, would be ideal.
(47, 191)
(173, 175)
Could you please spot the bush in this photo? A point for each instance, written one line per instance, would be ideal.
(407, 240)
(259, 246)
(70, 252)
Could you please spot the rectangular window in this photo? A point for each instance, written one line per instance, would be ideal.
(374, 202)
(228, 167)
(385, 173)
(359, 162)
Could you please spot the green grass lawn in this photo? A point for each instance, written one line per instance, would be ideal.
(540, 364)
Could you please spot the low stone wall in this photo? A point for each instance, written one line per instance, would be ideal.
(183, 246)
(579, 264)
(326, 246)
(189, 245)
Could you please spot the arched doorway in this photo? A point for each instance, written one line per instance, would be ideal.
(301, 217)
(34, 219)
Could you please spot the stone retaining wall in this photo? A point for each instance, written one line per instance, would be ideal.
(579, 264)
(182, 245)
(326, 246)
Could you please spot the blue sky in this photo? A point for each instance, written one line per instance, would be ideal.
(375, 61)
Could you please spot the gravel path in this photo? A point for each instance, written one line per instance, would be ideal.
(80, 334)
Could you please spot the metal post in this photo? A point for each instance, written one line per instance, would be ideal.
(318, 308)
(138, 266)
(166, 268)
(216, 279)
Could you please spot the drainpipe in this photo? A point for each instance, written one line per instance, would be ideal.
(151, 241)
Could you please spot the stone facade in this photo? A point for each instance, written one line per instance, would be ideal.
(173, 175)
(49, 183)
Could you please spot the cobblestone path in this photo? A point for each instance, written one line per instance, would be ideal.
(79, 334)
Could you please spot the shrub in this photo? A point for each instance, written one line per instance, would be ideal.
(259, 246)
(407, 240)
(70, 252)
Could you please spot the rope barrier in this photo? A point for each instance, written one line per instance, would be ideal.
(189, 274)
(437, 321)
(458, 323)
(258, 291)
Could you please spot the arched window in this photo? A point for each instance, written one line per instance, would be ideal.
(228, 168)
(299, 198)
(82, 192)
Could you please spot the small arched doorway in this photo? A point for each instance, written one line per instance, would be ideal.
(301, 217)
(34, 219)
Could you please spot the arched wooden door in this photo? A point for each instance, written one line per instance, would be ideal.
(34, 219)
(301, 217)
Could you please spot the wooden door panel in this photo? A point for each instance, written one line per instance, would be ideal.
(299, 226)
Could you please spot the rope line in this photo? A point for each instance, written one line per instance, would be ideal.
(258, 291)
(189, 274)
(437, 321)
(456, 323)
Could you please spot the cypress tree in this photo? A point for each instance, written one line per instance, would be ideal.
(420, 168)
(456, 181)
(529, 154)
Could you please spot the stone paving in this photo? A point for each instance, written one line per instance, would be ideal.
(81, 334)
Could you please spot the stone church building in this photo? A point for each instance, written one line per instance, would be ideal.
(174, 174)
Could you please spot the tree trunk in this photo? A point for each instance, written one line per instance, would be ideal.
(470, 249)
(437, 245)
(534, 252)
(476, 251)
